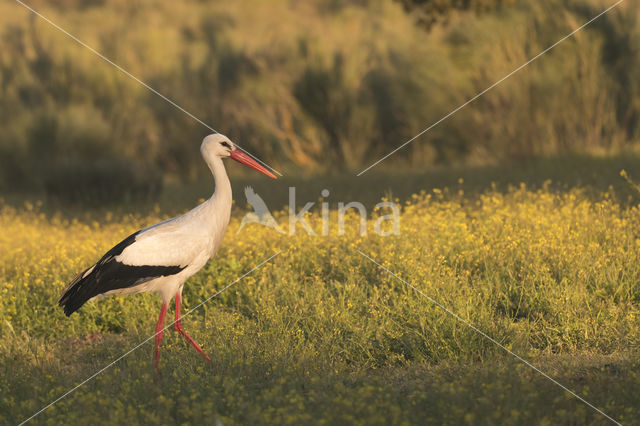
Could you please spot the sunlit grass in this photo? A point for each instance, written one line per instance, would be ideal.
(321, 334)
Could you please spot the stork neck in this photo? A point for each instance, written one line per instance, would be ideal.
(215, 213)
(222, 190)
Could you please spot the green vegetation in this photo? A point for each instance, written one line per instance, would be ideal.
(308, 86)
(520, 213)
(321, 335)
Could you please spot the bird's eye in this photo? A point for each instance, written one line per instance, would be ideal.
(225, 144)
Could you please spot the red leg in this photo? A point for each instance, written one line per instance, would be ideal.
(180, 329)
(159, 327)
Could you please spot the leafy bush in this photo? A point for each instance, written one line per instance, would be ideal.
(308, 88)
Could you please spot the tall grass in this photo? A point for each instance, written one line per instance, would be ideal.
(322, 335)
(307, 86)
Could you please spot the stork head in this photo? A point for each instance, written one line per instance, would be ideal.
(218, 145)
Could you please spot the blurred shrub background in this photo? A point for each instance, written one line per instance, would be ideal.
(310, 87)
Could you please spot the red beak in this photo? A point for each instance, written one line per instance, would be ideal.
(242, 157)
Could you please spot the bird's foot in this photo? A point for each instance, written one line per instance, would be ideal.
(184, 334)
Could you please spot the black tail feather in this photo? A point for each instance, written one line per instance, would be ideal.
(75, 294)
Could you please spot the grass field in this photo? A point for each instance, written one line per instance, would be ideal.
(322, 335)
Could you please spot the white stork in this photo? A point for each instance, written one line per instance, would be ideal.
(163, 256)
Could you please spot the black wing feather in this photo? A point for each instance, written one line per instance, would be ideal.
(109, 274)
